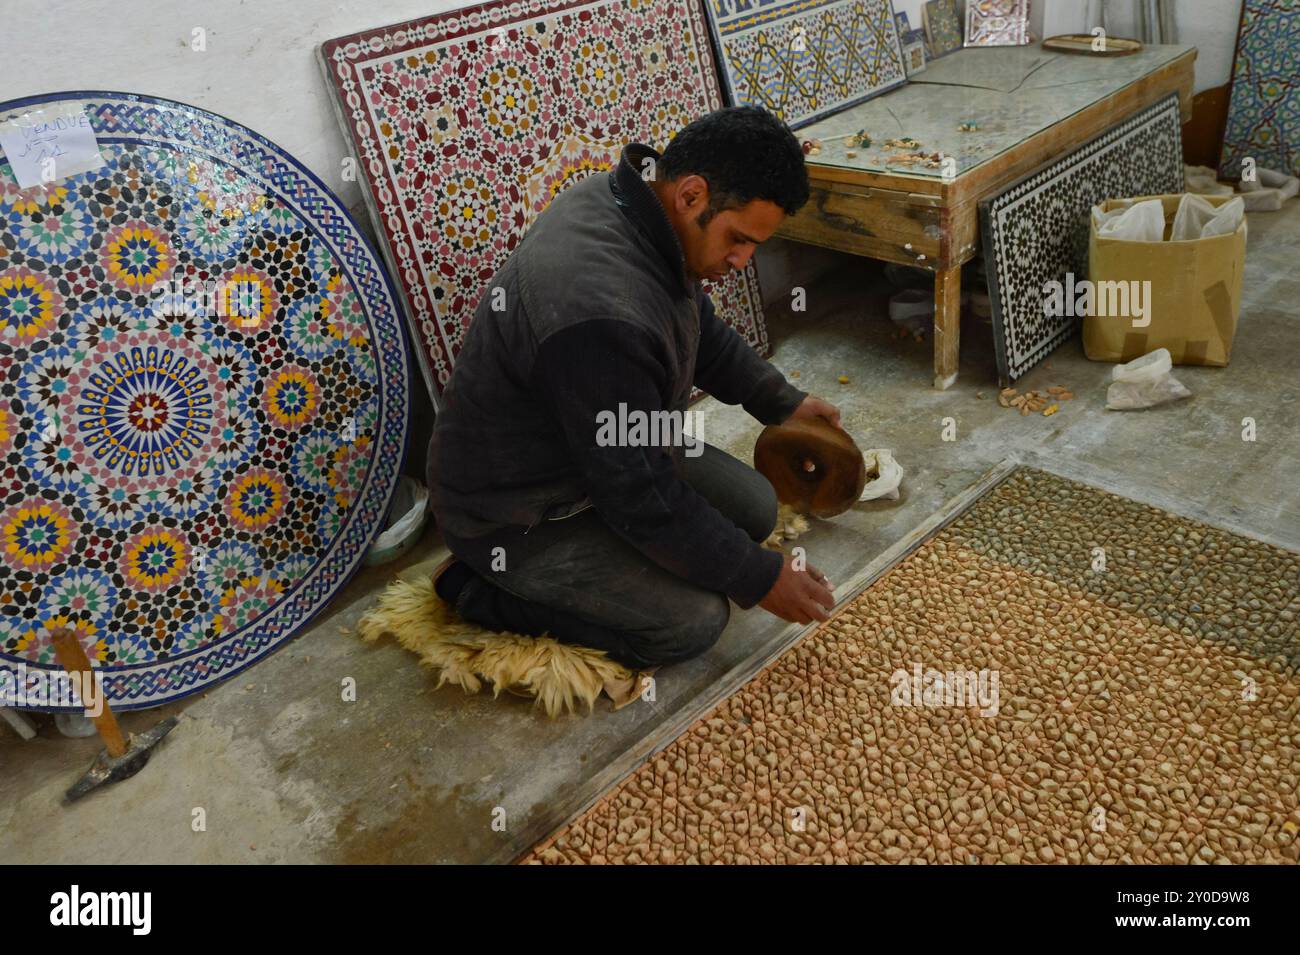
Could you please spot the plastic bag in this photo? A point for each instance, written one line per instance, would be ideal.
(1198, 218)
(912, 309)
(1286, 185)
(1204, 181)
(406, 518)
(890, 472)
(1263, 200)
(1144, 383)
(1141, 222)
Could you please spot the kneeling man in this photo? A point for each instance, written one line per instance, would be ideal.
(567, 514)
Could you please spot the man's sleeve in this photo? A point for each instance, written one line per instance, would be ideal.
(730, 370)
(593, 368)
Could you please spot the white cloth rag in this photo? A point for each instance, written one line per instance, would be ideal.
(890, 475)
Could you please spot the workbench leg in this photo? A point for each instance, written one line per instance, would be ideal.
(947, 325)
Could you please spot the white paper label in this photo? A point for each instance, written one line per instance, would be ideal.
(50, 144)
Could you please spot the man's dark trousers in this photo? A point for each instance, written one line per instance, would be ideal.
(577, 580)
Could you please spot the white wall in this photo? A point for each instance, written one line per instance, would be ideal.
(1208, 25)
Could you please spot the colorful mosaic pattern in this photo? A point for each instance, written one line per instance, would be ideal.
(806, 59)
(468, 123)
(1264, 115)
(203, 400)
(942, 28)
(914, 52)
(997, 22)
(1036, 231)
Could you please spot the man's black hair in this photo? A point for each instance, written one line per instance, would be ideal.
(744, 153)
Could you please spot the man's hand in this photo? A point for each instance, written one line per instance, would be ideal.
(812, 407)
(799, 595)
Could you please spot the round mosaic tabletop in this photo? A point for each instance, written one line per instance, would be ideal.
(204, 407)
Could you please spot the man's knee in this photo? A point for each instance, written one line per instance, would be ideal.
(694, 626)
(761, 510)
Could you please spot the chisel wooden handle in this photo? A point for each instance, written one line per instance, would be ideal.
(72, 657)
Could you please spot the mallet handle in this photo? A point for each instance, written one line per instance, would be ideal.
(72, 657)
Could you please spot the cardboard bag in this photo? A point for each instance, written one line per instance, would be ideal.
(1194, 293)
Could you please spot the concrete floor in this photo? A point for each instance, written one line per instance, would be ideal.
(285, 771)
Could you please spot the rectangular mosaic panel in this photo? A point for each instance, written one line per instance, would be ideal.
(914, 52)
(942, 28)
(806, 59)
(467, 123)
(1264, 113)
(1037, 229)
(997, 22)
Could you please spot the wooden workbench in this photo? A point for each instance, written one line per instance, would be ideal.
(1030, 106)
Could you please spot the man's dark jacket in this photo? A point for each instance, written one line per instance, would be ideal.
(598, 311)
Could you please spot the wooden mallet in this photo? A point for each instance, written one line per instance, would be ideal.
(123, 755)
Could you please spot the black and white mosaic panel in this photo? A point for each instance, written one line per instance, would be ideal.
(1037, 230)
